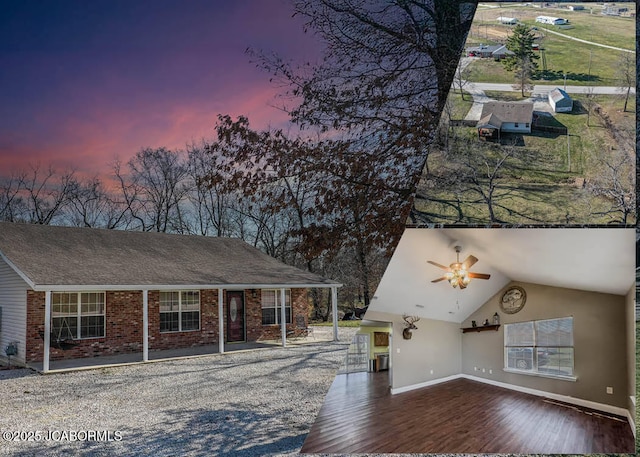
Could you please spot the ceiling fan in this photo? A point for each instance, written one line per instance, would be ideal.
(457, 273)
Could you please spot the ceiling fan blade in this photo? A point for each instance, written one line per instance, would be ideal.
(438, 265)
(439, 279)
(478, 275)
(469, 261)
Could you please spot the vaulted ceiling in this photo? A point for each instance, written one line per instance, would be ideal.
(593, 259)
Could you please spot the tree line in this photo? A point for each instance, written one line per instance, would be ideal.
(332, 198)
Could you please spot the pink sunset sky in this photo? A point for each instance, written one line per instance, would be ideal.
(85, 82)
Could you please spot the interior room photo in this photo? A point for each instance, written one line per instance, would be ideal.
(499, 341)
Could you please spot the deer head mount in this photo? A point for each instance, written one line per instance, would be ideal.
(409, 325)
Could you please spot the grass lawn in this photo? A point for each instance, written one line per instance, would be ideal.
(505, 96)
(609, 30)
(536, 182)
(355, 323)
(459, 107)
(583, 63)
(561, 56)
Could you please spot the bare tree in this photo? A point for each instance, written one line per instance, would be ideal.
(211, 203)
(626, 75)
(474, 175)
(461, 78)
(12, 205)
(91, 205)
(158, 176)
(615, 183)
(589, 103)
(46, 194)
(381, 86)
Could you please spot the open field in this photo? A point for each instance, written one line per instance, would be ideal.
(583, 63)
(609, 30)
(562, 55)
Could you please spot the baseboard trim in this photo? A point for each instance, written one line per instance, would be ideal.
(572, 400)
(400, 390)
(632, 423)
(539, 393)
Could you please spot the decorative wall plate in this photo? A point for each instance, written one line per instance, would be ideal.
(513, 300)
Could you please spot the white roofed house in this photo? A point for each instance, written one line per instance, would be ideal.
(71, 293)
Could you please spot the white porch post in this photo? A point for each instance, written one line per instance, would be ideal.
(283, 317)
(145, 325)
(47, 330)
(334, 306)
(220, 321)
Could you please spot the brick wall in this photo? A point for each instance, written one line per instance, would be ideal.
(208, 333)
(299, 307)
(123, 329)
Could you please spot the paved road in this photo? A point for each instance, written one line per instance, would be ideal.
(539, 95)
(545, 88)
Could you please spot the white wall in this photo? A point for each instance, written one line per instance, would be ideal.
(600, 341)
(511, 127)
(630, 311)
(13, 300)
(435, 346)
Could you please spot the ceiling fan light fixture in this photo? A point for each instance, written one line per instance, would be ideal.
(457, 274)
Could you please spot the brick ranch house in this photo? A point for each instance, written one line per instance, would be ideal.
(69, 292)
(498, 117)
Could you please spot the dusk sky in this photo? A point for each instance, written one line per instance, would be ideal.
(82, 82)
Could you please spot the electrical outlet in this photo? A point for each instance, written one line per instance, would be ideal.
(398, 350)
(490, 371)
(483, 370)
(431, 372)
(475, 368)
(609, 390)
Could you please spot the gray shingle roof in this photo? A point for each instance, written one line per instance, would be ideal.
(61, 256)
(558, 94)
(509, 111)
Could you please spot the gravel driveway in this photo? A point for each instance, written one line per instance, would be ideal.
(253, 403)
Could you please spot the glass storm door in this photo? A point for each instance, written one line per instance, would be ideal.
(235, 316)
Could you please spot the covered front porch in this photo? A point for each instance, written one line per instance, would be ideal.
(287, 334)
(316, 335)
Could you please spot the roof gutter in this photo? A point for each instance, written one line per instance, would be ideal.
(138, 287)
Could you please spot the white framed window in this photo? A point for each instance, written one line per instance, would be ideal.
(179, 310)
(543, 348)
(77, 315)
(271, 306)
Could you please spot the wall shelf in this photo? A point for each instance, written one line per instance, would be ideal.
(480, 328)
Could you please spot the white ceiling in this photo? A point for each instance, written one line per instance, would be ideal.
(593, 259)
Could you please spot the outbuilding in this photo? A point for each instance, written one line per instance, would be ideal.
(560, 101)
(507, 20)
(68, 293)
(551, 20)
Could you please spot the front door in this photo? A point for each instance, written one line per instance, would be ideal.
(235, 316)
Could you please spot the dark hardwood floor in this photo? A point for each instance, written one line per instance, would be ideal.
(460, 416)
